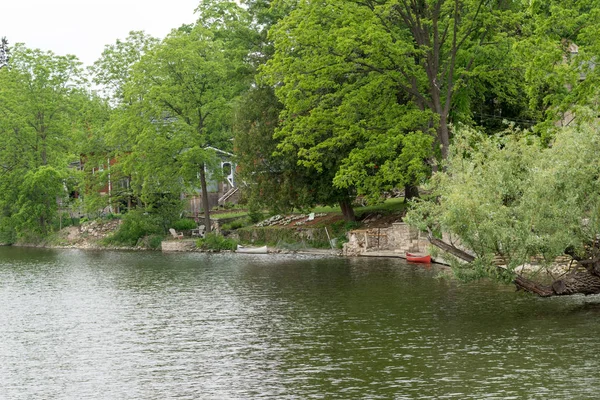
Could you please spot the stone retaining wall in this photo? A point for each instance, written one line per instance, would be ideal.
(400, 237)
(178, 245)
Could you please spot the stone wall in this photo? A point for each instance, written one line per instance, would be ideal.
(177, 245)
(400, 238)
(405, 238)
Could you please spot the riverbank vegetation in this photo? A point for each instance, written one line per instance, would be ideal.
(491, 103)
(513, 198)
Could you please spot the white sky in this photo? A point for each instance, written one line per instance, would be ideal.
(84, 27)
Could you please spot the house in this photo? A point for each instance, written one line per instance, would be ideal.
(115, 187)
(222, 187)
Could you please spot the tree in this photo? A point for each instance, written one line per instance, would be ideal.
(512, 198)
(180, 97)
(368, 79)
(111, 71)
(4, 52)
(36, 102)
(274, 180)
(40, 95)
(558, 57)
(333, 73)
(40, 191)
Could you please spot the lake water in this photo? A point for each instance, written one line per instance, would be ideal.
(142, 325)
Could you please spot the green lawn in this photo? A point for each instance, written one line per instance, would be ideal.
(396, 205)
(232, 214)
(387, 207)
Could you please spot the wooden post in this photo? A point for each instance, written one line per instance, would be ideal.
(329, 238)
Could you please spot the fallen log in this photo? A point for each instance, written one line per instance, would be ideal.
(584, 279)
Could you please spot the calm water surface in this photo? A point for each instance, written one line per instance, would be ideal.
(119, 325)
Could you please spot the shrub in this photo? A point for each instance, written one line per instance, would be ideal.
(184, 224)
(255, 216)
(154, 241)
(237, 224)
(8, 235)
(216, 242)
(312, 237)
(136, 224)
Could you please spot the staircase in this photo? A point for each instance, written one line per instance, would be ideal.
(227, 195)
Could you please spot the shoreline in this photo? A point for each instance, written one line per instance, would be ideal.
(272, 251)
(96, 247)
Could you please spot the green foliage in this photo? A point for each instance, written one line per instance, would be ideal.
(111, 216)
(8, 233)
(353, 98)
(216, 242)
(316, 238)
(557, 56)
(178, 100)
(37, 204)
(512, 197)
(275, 180)
(368, 87)
(136, 225)
(111, 71)
(255, 213)
(184, 224)
(237, 224)
(165, 208)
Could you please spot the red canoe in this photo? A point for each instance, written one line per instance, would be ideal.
(418, 258)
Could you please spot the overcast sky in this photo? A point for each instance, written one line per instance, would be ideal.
(83, 27)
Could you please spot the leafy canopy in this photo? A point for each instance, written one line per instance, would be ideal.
(509, 195)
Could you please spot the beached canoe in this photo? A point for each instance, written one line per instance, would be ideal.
(252, 250)
(418, 258)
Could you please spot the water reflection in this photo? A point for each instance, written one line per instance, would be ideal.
(76, 324)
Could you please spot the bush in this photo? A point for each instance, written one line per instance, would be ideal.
(255, 216)
(64, 220)
(237, 224)
(154, 241)
(216, 242)
(312, 237)
(8, 235)
(184, 224)
(136, 224)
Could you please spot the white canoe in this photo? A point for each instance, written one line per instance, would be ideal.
(252, 250)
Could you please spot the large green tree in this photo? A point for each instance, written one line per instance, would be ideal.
(375, 83)
(427, 54)
(111, 71)
(179, 104)
(274, 180)
(41, 95)
(558, 57)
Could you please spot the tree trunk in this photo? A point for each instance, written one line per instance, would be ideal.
(444, 135)
(347, 210)
(410, 192)
(585, 279)
(205, 204)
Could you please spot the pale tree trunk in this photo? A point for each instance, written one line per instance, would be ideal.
(205, 205)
